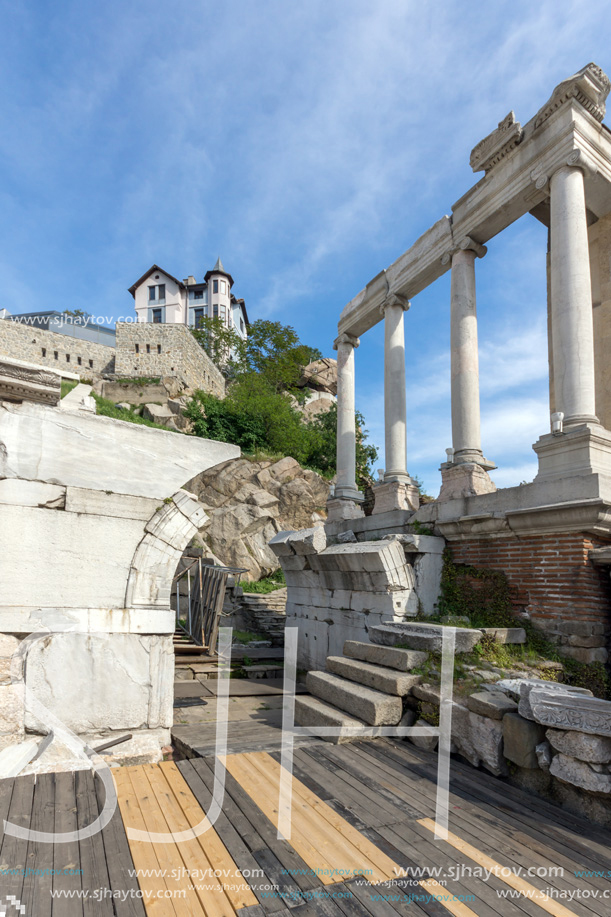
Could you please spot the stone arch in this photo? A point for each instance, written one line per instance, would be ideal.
(167, 534)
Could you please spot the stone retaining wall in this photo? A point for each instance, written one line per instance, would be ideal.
(556, 583)
(59, 351)
(149, 349)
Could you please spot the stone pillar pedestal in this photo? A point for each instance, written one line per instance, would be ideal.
(465, 480)
(571, 300)
(339, 509)
(393, 495)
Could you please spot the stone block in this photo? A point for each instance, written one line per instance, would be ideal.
(373, 676)
(572, 713)
(464, 480)
(392, 658)
(596, 640)
(527, 686)
(103, 503)
(506, 634)
(428, 740)
(427, 637)
(591, 748)
(520, 739)
(32, 493)
(309, 541)
(430, 694)
(11, 710)
(394, 495)
(313, 712)
(580, 774)
(492, 704)
(158, 413)
(102, 681)
(582, 654)
(478, 739)
(280, 544)
(372, 706)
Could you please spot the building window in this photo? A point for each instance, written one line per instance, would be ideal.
(242, 325)
(79, 361)
(91, 364)
(223, 313)
(56, 355)
(215, 286)
(215, 311)
(198, 294)
(44, 351)
(223, 289)
(158, 348)
(198, 315)
(156, 316)
(137, 347)
(67, 358)
(152, 296)
(148, 348)
(161, 291)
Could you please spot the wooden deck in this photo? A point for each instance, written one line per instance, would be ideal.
(366, 808)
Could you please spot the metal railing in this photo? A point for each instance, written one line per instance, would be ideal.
(199, 606)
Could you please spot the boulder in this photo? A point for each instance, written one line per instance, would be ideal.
(320, 376)
(543, 752)
(429, 738)
(249, 503)
(158, 413)
(590, 748)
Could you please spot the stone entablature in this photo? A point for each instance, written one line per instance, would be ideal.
(57, 351)
(148, 349)
(22, 382)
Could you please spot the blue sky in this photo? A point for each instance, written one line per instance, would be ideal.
(309, 144)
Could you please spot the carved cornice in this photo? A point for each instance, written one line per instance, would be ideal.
(346, 338)
(590, 87)
(19, 382)
(497, 145)
(395, 299)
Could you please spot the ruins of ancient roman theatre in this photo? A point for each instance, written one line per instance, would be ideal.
(551, 537)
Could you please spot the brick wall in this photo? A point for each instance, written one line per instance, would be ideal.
(48, 348)
(147, 349)
(555, 582)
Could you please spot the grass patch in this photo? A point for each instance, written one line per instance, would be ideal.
(245, 636)
(67, 385)
(106, 408)
(267, 584)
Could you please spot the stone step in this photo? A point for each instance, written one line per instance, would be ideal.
(389, 681)
(374, 707)
(388, 656)
(417, 636)
(313, 712)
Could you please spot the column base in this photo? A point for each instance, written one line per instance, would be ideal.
(392, 495)
(339, 509)
(466, 479)
(581, 450)
(397, 477)
(473, 457)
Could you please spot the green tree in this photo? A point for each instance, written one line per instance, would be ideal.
(324, 445)
(221, 343)
(274, 351)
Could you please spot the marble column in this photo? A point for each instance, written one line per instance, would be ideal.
(571, 300)
(466, 436)
(346, 487)
(395, 440)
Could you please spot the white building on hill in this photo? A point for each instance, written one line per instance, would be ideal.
(161, 298)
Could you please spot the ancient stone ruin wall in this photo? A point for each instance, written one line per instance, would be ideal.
(148, 349)
(555, 582)
(58, 351)
(96, 536)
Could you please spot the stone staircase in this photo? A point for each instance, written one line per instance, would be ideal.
(368, 686)
(363, 688)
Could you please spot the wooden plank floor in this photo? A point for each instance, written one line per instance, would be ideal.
(362, 808)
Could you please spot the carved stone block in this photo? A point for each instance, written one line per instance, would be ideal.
(571, 712)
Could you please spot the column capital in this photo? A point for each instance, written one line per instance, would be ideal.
(395, 299)
(466, 244)
(346, 338)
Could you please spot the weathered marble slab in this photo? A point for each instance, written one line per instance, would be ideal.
(573, 712)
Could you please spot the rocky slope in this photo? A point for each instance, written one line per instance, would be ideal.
(248, 502)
